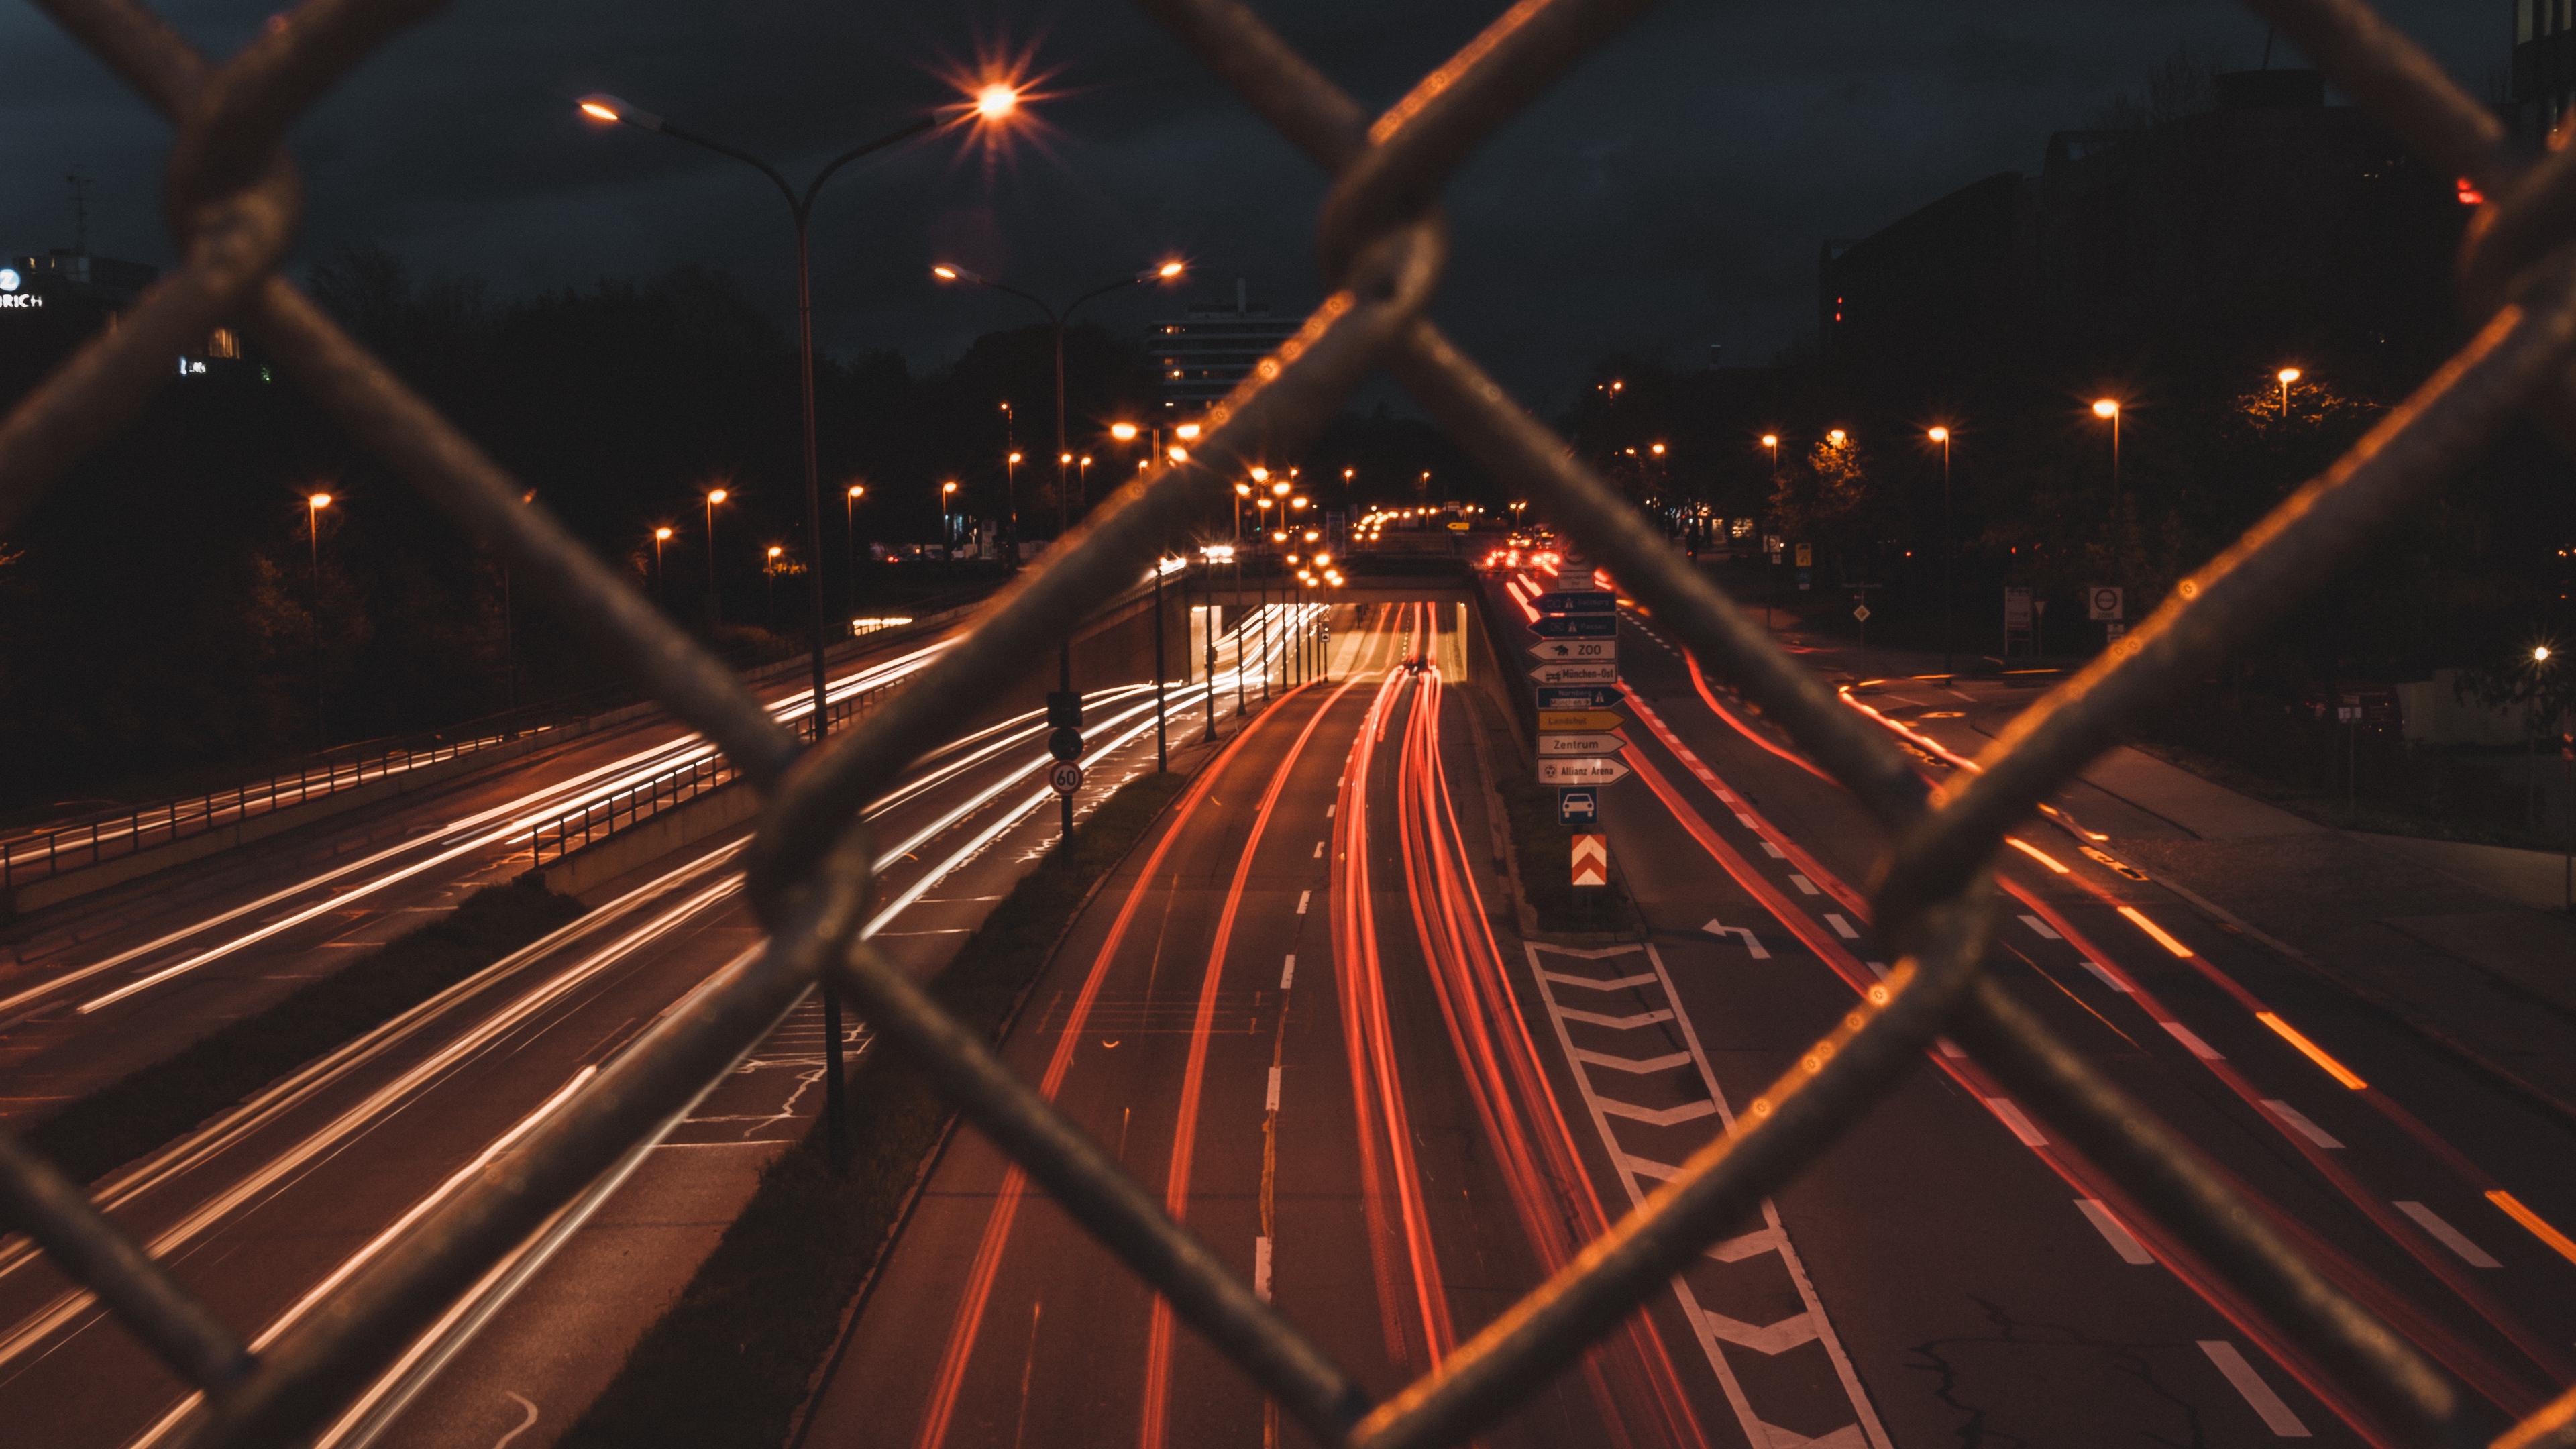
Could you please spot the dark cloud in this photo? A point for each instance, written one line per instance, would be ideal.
(1670, 193)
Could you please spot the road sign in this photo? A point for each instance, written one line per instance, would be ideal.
(1592, 860)
(1575, 721)
(1575, 650)
(1577, 807)
(1459, 525)
(2104, 602)
(1861, 613)
(1574, 601)
(1579, 745)
(1806, 555)
(1589, 770)
(1064, 744)
(1587, 673)
(1577, 698)
(1575, 626)
(1066, 777)
(1064, 709)
(2017, 609)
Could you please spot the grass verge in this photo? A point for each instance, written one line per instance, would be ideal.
(729, 1362)
(126, 1119)
(1543, 849)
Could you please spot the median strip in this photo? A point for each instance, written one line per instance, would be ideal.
(807, 1242)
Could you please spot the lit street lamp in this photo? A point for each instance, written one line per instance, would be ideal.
(2287, 376)
(1949, 546)
(313, 507)
(850, 537)
(771, 564)
(715, 602)
(2108, 409)
(947, 530)
(661, 536)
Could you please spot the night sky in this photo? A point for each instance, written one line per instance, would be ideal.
(1669, 195)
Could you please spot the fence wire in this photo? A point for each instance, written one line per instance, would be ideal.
(233, 202)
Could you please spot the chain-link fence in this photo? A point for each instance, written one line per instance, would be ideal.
(233, 201)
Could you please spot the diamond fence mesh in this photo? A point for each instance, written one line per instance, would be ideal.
(233, 202)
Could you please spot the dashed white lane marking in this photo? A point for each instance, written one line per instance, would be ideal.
(1302, 898)
(1774, 851)
(1841, 927)
(2114, 982)
(1261, 1269)
(2298, 1121)
(2267, 1405)
(1746, 821)
(1319, 850)
(2008, 1113)
(1805, 886)
(1288, 973)
(1877, 969)
(2448, 1236)
(2197, 1047)
(2036, 924)
(1270, 1103)
(1949, 1048)
(2122, 1241)
(1328, 810)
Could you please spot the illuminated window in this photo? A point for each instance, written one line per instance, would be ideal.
(223, 344)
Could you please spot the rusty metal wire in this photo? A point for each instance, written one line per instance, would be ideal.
(233, 203)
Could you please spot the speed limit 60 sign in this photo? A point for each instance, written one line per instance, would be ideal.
(1066, 777)
(2103, 603)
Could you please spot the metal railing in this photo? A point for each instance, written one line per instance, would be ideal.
(623, 809)
(233, 199)
(42, 854)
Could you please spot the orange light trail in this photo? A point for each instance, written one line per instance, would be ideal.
(2312, 1051)
(2139, 919)
(2035, 853)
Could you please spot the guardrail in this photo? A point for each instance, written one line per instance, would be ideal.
(48, 853)
(234, 199)
(597, 819)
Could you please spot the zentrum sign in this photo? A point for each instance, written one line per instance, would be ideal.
(11, 294)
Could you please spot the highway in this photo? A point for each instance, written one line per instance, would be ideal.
(263, 1209)
(1396, 1118)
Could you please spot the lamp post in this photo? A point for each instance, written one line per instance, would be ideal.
(313, 506)
(994, 105)
(1056, 320)
(1949, 547)
(2287, 376)
(850, 537)
(770, 563)
(947, 530)
(715, 602)
(2108, 409)
(661, 536)
(1011, 495)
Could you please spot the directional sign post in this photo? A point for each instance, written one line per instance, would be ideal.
(1589, 673)
(1566, 745)
(1575, 626)
(1590, 770)
(1561, 698)
(1587, 601)
(1574, 650)
(1578, 721)
(1592, 860)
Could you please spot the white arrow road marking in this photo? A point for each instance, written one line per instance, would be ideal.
(1752, 946)
(1659, 1116)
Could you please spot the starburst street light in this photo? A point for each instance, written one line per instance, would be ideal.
(996, 101)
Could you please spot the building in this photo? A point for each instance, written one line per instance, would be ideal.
(51, 302)
(1202, 356)
(2544, 64)
(2269, 215)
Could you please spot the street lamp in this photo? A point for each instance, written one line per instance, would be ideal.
(995, 103)
(2108, 409)
(715, 603)
(771, 564)
(947, 530)
(661, 536)
(1949, 546)
(2287, 376)
(850, 537)
(313, 506)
